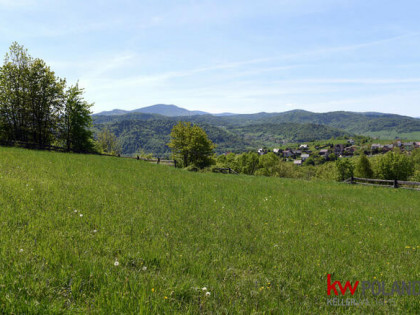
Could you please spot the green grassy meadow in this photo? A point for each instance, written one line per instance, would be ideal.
(94, 234)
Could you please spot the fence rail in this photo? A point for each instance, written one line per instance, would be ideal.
(384, 183)
(225, 170)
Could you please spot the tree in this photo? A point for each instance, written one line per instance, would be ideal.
(14, 88)
(45, 102)
(34, 107)
(344, 169)
(249, 162)
(268, 163)
(107, 142)
(394, 165)
(191, 144)
(76, 121)
(332, 157)
(363, 167)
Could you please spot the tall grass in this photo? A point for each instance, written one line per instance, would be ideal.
(99, 234)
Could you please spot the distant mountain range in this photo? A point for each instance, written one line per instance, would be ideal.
(174, 111)
(148, 128)
(161, 109)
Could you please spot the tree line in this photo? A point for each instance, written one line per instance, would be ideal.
(38, 108)
(392, 165)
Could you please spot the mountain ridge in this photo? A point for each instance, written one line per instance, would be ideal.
(242, 132)
(171, 110)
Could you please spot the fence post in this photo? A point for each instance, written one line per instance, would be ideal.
(175, 163)
(395, 183)
(351, 180)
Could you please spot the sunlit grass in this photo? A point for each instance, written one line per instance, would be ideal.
(84, 233)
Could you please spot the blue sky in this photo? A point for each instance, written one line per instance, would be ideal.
(228, 56)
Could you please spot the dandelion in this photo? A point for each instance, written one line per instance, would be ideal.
(116, 263)
(21, 250)
(81, 215)
(204, 289)
(94, 231)
(75, 211)
(407, 247)
(165, 297)
(144, 268)
(153, 289)
(208, 293)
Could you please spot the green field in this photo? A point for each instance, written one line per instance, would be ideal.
(257, 244)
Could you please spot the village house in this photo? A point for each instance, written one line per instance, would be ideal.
(417, 145)
(261, 151)
(351, 149)
(304, 156)
(276, 151)
(387, 147)
(351, 141)
(408, 146)
(324, 152)
(297, 162)
(287, 153)
(303, 146)
(339, 149)
(376, 146)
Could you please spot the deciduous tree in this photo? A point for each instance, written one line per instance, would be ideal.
(76, 121)
(363, 167)
(191, 144)
(344, 169)
(395, 165)
(107, 142)
(35, 107)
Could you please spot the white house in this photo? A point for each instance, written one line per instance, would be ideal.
(297, 162)
(304, 156)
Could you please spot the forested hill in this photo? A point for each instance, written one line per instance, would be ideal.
(237, 133)
(161, 109)
(152, 134)
(350, 121)
(363, 123)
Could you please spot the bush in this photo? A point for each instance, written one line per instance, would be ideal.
(344, 169)
(394, 165)
(326, 171)
(363, 167)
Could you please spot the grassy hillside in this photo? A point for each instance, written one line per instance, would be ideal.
(111, 235)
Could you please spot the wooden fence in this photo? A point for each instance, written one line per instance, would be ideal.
(224, 170)
(384, 183)
(157, 161)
